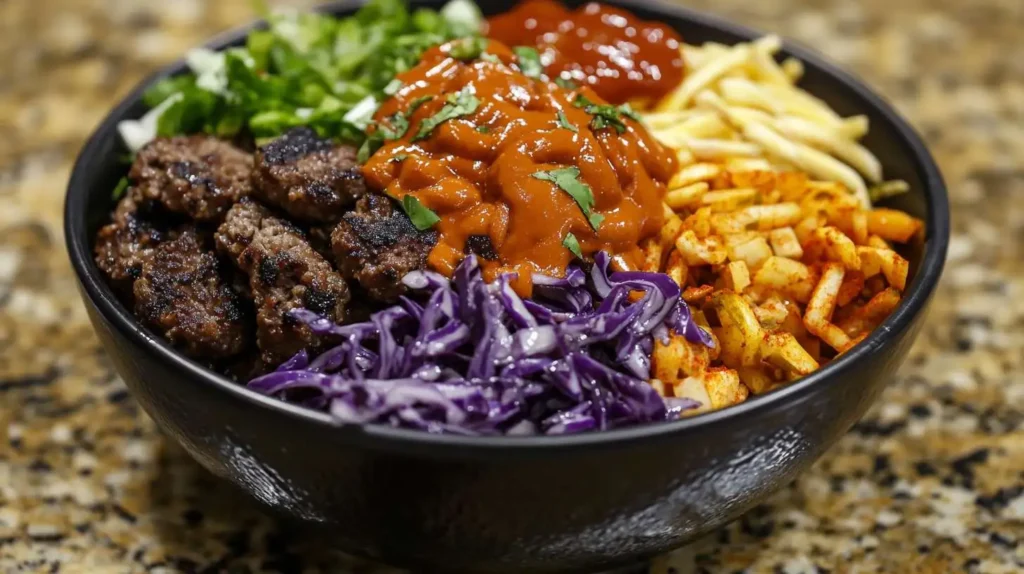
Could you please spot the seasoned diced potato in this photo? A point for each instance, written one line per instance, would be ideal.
(740, 333)
(853, 284)
(724, 388)
(753, 252)
(771, 313)
(782, 350)
(784, 243)
(807, 225)
(787, 276)
(676, 268)
(696, 251)
(693, 388)
(736, 276)
(652, 251)
(887, 262)
(678, 359)
(699, 222)
(756, 379)
(729, 223)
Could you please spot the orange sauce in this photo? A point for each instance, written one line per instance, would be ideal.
(477, 171)
(620, 56)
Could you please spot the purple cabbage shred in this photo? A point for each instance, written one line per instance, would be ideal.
(467, 357)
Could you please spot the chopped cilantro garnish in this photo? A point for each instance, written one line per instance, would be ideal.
(392, 128)
(529, 61)
(489, 57)
(468, 49)
(572, 244)
(628, 111)
(605, 115)
(399, 157)
(483, 129)
(564, 122)
(461, 103)
(122, 186)
(399, 121)
(565, 83)
(568, 180)
(422, 217)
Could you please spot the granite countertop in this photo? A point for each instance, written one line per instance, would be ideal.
(932, 480)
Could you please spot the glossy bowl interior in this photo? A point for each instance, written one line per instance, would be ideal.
(515, 504)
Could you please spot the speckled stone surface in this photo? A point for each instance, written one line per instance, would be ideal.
(931, 481)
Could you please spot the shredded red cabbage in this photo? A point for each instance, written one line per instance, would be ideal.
(464, 356)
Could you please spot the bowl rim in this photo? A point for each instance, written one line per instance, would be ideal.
(78, 244)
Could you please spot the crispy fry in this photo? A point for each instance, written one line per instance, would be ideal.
(696, 173)
(831, 244)
(697, 295)
(740, 333)
(653, 252)
(818, 316)
(893, 225)
(769, 226)
(687, 196)
(729, 199)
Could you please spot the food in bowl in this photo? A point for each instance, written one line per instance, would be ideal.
(400, 219)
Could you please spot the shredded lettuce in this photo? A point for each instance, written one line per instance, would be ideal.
(306, 69)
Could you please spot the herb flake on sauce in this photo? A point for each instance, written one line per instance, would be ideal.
(568, 180)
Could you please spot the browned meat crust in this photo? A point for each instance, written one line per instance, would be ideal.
(199, 176)
(285, 273)
(124, 244)
(377, 245)
(181, 292)
(310, 178)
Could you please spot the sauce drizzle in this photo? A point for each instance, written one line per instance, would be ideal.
(492, 152)
(620, 56)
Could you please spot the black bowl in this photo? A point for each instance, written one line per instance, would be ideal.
(516, 504)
